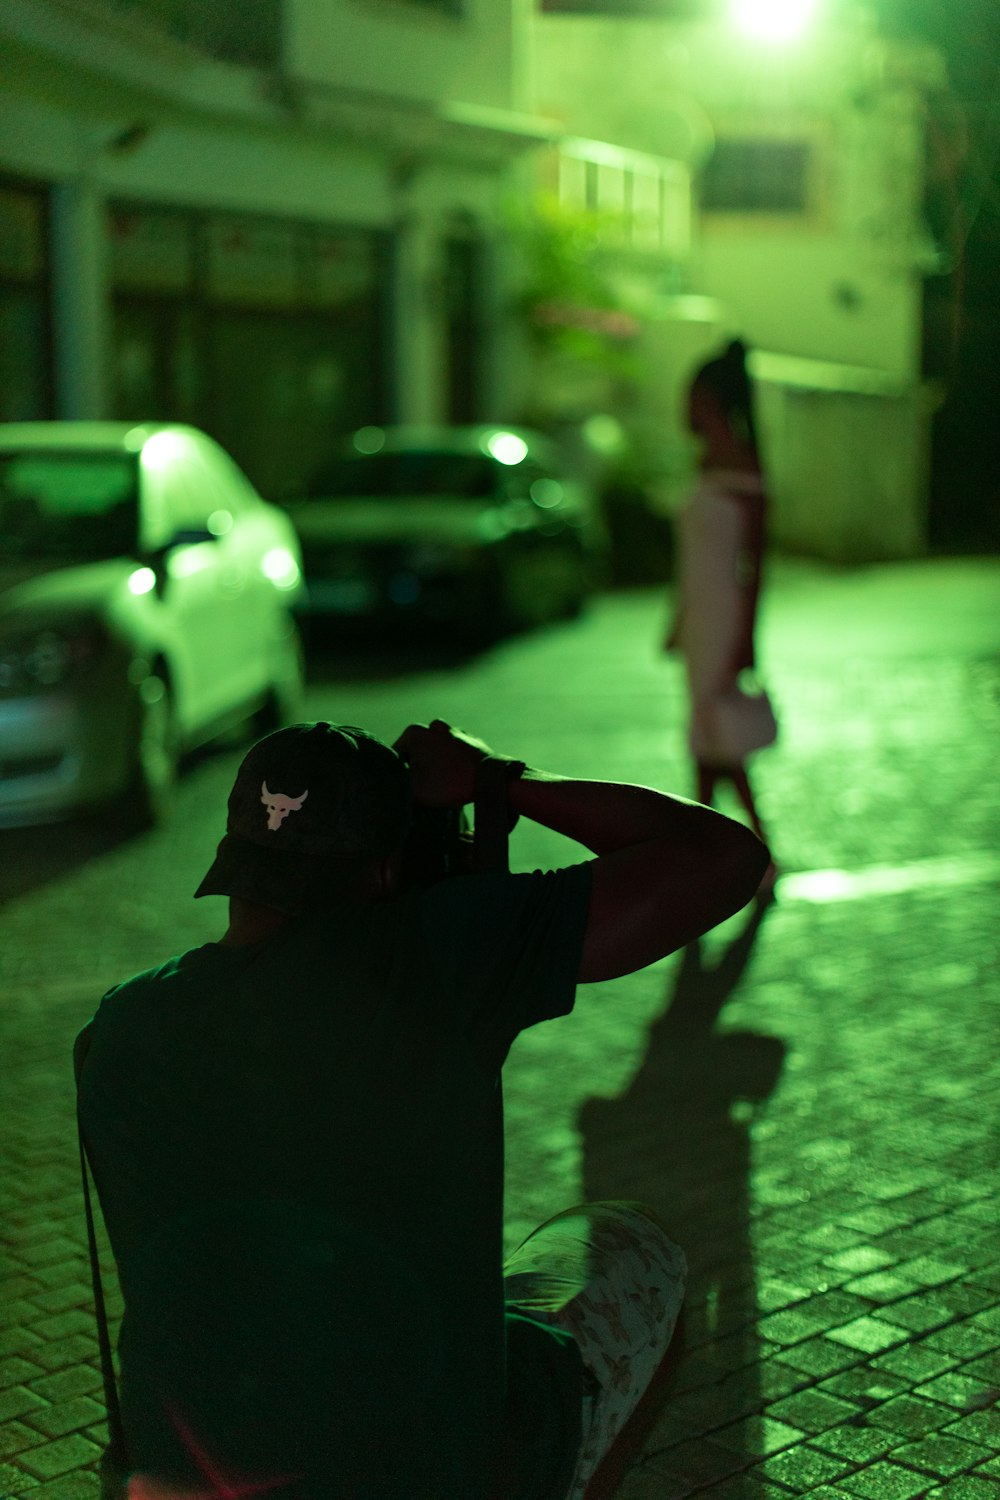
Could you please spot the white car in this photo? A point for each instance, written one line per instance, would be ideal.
(146, 596)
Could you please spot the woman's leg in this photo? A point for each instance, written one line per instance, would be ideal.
(706, 778)
(741, 784)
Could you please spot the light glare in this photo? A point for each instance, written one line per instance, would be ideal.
(142, 581)
(507, 448)
(163, 449)
(369, 440)
(220, 522)
(773, 20)
(280, 566)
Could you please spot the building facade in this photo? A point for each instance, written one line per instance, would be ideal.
(811, 239)
(277, 221)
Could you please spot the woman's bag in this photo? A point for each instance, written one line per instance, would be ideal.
(744, 722)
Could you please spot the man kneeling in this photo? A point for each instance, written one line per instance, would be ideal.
(296, 1135)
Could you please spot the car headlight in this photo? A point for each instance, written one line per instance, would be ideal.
(280, 567)
(45, 658)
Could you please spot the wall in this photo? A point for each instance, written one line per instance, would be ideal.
(413, 50)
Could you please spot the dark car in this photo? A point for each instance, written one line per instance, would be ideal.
(146, 596)
(473, 527)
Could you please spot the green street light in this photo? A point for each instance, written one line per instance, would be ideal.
(773, 20)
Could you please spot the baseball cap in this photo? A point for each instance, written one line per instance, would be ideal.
(307, 803)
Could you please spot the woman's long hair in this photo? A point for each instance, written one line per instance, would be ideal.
(727, 379)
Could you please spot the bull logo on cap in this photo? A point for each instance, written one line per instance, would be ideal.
(279, 806)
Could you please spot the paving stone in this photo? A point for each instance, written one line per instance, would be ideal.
(985, 1369)
(78, 1380)
(804, 1467)
(700, 1462)
(19, 1311)
(868, 1334)
(16, 1371)
(910, 1415)
(967, 1340)
(958, 1390)
(65, 1271)
(62, 1353)
(873, 1219)
(79, 1486)
(942, 1455)
(881, 1286)
(739, 1487)
(860, 1258)
(59, 1298)
(775, 1378)
(59, 1457)
(885, 1480)
(16, 1401)
(829, 1492)
(23, 1341)
(813, 1410)
(859, 1444)
(758, 1435)
(820, 1356)
(67, 1416)
(774, 1294)
(12, 1287)
(927, 1270)
(919, 1314)
(978, 1427)
(16, 1438)
(966, 1487)
(915, 1362)
(866, 1385)
(15, 1482)
(966, 1298)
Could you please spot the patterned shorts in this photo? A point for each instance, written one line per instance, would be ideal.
(609, 1275)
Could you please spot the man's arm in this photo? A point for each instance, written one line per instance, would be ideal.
(666, 869)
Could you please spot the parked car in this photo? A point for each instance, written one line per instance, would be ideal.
(474, 527)
(145, 606)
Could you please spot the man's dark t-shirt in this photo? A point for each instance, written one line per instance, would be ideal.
(298, 1149)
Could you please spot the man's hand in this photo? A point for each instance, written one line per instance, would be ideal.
(442, 763)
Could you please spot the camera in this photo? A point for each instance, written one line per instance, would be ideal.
(438, 845)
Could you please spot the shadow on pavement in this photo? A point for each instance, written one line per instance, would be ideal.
(31, 857)
(34, 856)
(347, 654)
(679, 1141)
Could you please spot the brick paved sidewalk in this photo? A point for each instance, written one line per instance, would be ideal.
(809, 1098)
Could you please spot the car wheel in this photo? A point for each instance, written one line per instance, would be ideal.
(156, 758)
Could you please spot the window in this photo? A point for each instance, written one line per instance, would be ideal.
(757, 177)
(65, 504)
(248, 33)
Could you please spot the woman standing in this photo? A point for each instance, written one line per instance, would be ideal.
(721, 546)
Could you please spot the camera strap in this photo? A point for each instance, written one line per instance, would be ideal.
(116, 1455)
(492, 820)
